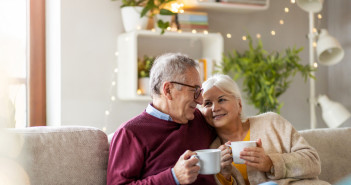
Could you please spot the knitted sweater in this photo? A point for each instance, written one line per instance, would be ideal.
(294, 160)
(144, 149)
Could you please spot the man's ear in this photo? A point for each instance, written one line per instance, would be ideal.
(166, 89)
(240, 105)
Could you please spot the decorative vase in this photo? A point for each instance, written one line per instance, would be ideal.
(131, 18)
(143, 85)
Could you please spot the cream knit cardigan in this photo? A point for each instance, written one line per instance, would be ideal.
(294, 160)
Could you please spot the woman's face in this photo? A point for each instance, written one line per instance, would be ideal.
(220, 109)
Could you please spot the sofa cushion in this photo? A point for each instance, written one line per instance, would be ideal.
(334, 149)
(64, 155)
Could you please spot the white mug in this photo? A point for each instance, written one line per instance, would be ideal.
(239, 146)
(209, 161)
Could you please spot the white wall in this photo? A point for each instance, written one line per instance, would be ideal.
(89, 30)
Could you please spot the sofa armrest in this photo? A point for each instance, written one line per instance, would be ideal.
(334, 149)
(64, 155)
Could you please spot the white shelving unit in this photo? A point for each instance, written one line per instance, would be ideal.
(137, 44)
(222, 6)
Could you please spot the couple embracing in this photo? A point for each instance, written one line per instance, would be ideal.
(156, 146)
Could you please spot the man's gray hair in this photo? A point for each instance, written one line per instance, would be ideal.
(169, 67)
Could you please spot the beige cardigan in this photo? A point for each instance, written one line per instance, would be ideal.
(294, 160)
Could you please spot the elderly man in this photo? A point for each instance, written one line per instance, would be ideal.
(156, 146)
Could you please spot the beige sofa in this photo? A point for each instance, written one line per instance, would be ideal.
(79, 155)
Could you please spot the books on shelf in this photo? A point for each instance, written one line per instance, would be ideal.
(189, 21)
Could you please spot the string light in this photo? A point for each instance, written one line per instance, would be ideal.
(116, 53)
(273, 32)
(113, 83)
(229, 35)
(281, 21)
(315, 65)
(205, 32)
(319, 16)
(258, 35)
(193, 31)
(244, 38)
(107, 112)
(292, 1)
(286, 10)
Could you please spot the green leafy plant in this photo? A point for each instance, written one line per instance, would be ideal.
(151, 8)
(131, 3)
(265, 75)
(157, 7)
(144, 66)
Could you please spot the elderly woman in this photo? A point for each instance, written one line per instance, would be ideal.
(282, 155)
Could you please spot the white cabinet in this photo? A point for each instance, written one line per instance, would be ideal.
(234, 6)
(140, 43)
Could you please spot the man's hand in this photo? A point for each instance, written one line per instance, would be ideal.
(226, 160)
(257, 158)
(186, 169)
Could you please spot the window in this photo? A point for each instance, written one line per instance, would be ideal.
(22, 63)
(13, 62)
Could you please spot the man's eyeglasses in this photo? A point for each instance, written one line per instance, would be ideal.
(197, 88)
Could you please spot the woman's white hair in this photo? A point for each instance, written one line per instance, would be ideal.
(225, 84)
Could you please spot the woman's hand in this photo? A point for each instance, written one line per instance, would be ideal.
(257, 158)
(226, 160)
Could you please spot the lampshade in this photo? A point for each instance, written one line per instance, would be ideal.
(333, 113)
(329, 50)
(310, 5)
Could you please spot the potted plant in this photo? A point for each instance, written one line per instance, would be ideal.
(131, 11)
(158, 8)
(265, 75)
(144, 66)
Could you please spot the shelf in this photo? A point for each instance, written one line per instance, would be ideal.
(222, 6)
(140, 43)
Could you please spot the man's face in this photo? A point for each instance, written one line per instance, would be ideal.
(183, 104)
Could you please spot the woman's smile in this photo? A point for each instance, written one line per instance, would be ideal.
(218, 116)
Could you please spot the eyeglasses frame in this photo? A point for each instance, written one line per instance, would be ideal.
(197, 88)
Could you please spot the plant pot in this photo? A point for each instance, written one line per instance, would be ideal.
(131, 18)
(143, 85)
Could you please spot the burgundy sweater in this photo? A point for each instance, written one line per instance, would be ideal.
(144, 149)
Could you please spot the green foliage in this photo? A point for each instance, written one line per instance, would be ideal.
(131, 3)
(157, 7)
(144, 66)
(265, 75)
(153, 7)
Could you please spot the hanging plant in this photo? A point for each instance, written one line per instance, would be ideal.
(265, 75)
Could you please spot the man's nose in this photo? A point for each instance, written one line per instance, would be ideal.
(199, 100)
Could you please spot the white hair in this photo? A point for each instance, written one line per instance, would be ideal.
(169, 67)
(225, 84)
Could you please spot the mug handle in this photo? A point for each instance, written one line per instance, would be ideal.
(197, 157)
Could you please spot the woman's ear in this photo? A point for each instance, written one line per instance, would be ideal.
(166, 89)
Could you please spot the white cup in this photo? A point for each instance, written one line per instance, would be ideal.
(209, 161)
(239, 146)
